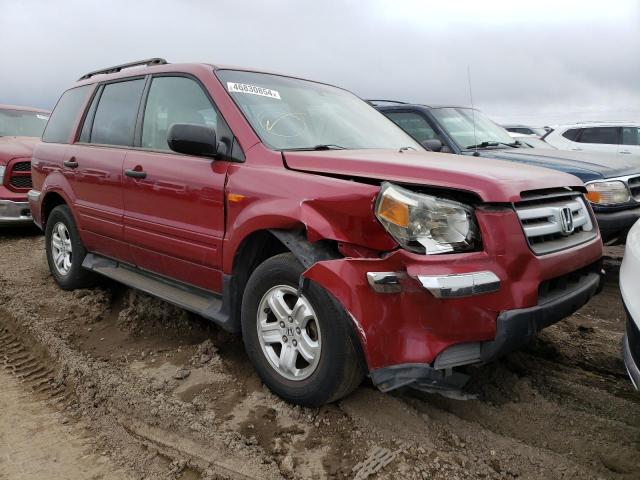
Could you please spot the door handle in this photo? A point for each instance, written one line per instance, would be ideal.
(627, 152)
(135, 173)
(71, 163)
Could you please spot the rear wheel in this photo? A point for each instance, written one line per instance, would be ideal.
(299, 342)
(65, 251)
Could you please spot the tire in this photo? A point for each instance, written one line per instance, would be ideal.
(61, 227)
(337, 368)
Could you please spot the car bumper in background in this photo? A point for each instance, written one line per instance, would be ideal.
(614, 226)
(632, 364)
(629, 280)
(15, 213)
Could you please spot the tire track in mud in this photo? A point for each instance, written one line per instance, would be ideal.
(31, 370)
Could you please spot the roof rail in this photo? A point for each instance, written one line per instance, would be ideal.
(386, 101)
(148, 62)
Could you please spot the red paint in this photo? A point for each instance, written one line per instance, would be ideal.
(177, 222)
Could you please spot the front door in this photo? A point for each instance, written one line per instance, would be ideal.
(630, 142)
(174, 203)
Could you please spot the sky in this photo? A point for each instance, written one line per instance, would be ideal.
(539, 62)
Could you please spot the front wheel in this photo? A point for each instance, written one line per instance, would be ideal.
(299, 342)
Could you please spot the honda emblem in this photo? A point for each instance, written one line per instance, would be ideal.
(566, 221)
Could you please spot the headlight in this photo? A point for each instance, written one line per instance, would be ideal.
(426, 224)
(2, 169)
(608, 193)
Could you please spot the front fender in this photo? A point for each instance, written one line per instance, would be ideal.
(325, 208)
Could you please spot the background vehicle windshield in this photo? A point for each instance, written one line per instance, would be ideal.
(21, 123)
(458, 122)
(293, 114)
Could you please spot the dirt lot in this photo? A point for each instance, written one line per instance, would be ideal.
(107, 361)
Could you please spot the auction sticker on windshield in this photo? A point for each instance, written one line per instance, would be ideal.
(252, 89)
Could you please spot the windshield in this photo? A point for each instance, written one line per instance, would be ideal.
(22, 123)
(293, 114)
(459, 124)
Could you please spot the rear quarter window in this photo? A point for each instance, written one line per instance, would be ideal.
(571, 134)
(64, 116)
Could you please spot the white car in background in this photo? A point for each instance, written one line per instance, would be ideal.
(613, 137)
(630, 289)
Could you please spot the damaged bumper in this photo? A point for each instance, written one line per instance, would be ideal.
(514, 328)
(418, 316)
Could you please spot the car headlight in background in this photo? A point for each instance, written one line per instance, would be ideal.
(2, 169)
(424, 223)
(608, 193)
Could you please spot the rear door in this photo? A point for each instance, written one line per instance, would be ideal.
(174, 216)
(96, 161)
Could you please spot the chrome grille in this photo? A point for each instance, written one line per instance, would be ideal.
(634, 186)
(555, 223)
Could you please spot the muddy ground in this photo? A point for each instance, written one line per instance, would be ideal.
(107, 361)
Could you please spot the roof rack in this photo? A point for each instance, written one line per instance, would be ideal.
(386, 101)
(148, 62)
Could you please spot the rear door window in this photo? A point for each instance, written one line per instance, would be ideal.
(176, 100)
(60, 126)
(414, 124)
(630, 135)
(115, 117)
(601, 135)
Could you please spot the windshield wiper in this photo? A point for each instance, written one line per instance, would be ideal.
(515, 144)
(329, 146)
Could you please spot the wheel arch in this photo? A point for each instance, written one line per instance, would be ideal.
(261, 245)
(51, 200)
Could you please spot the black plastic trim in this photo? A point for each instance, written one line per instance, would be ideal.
(514, 328)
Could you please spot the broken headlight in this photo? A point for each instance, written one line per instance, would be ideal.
(424, 223)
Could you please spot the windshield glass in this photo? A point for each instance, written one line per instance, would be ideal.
(293, 114)
(22, 123)
(458, 122)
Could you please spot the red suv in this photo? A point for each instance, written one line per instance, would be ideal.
(295, 213)
(20, 129)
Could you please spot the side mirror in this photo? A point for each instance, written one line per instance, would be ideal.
(193, 139)
(433, 145)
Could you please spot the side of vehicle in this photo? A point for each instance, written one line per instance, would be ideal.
(618, 138)
(329, 268)
(613, 182)
(629, 281)
(19, 129)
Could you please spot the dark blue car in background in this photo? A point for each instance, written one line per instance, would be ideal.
(613, 183)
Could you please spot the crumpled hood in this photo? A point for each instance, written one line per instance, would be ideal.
(491, 180)
(585, 165)
(16, 147)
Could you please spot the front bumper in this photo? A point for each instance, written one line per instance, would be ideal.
(515, 328)
(614, 226)
(15, 213)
